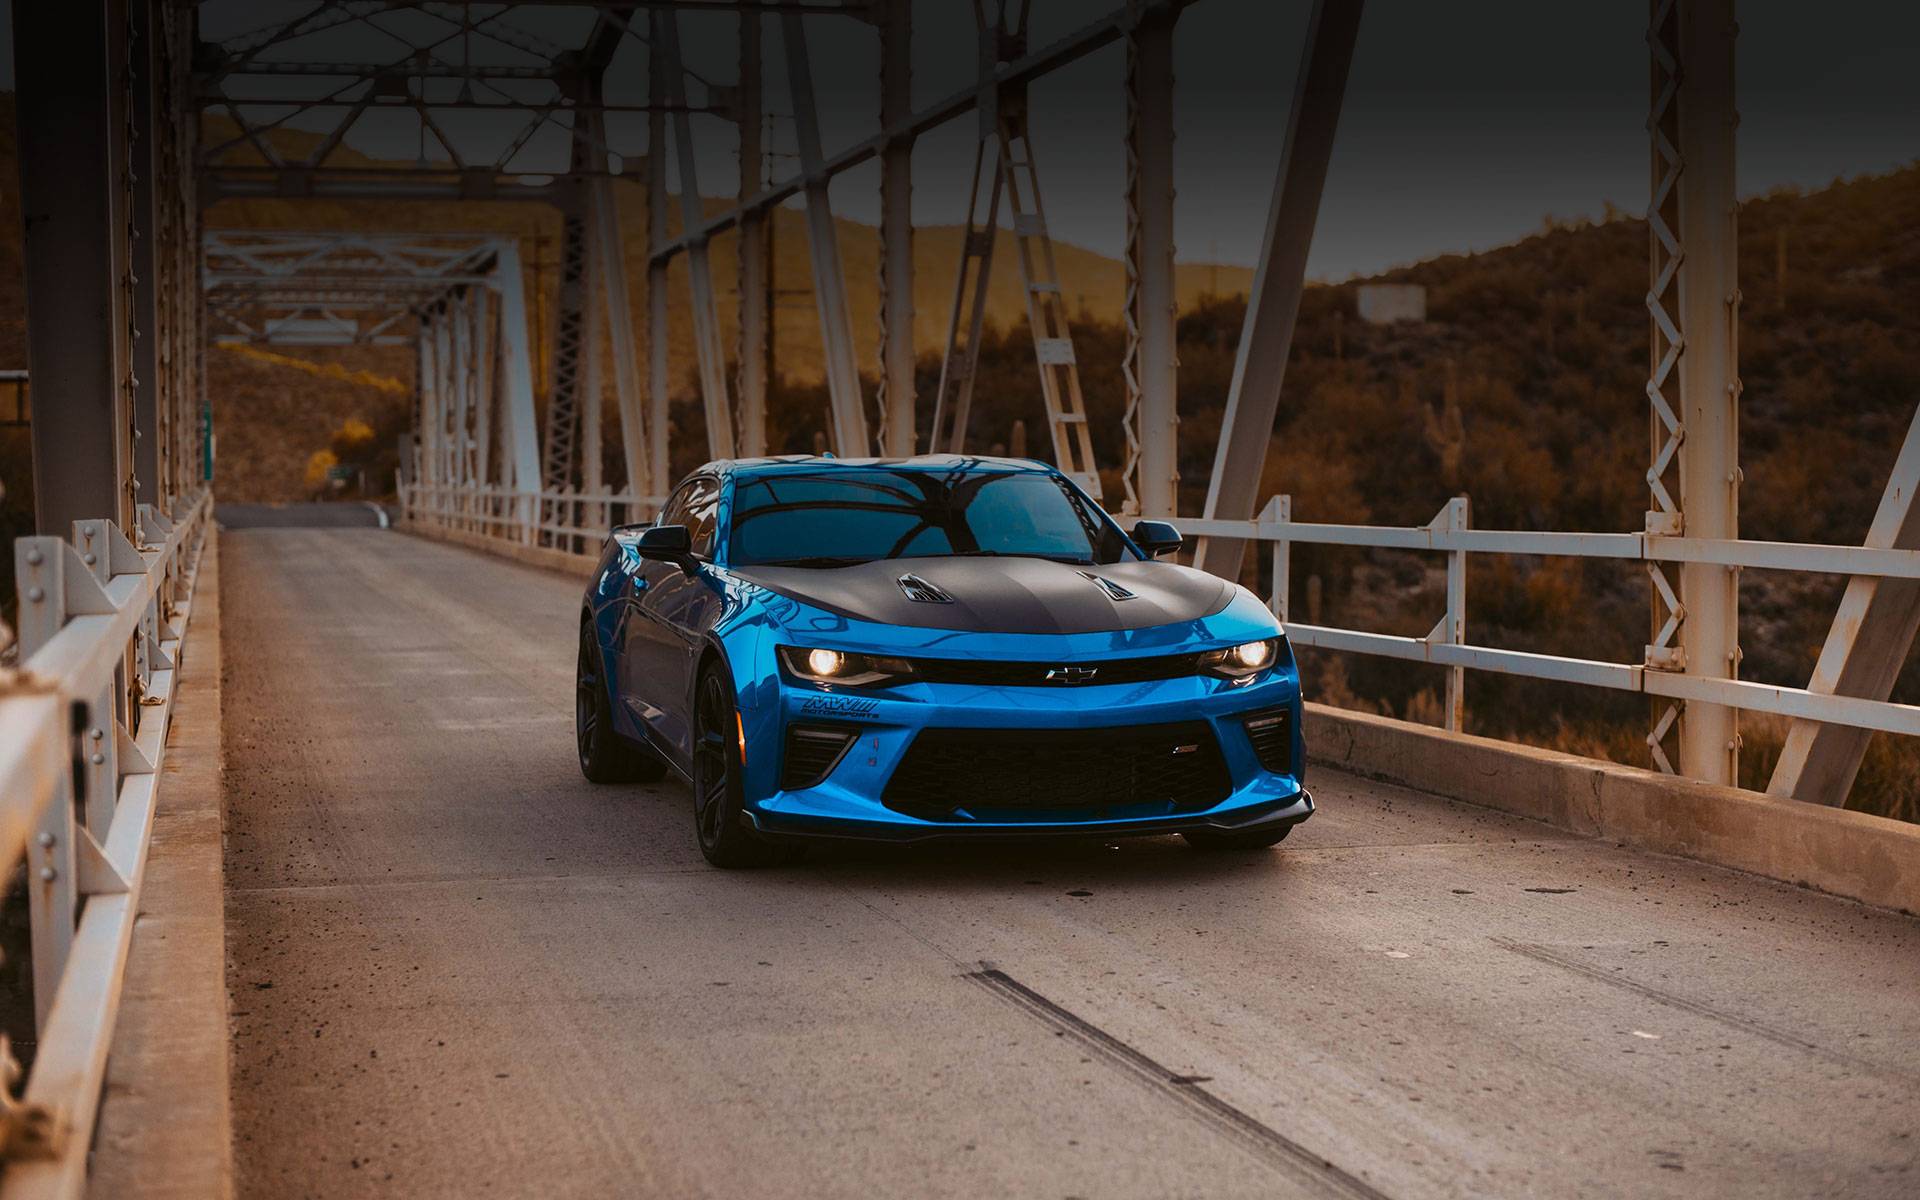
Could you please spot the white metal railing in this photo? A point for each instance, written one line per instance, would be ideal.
(576, 521)
(1446, 644)
(83, 732)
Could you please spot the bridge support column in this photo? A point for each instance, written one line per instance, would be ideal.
(1267, 336)
(659, 402)
(1152, 474)
(513, 375)
(897, 400)
(1694, 298)
(706, 313)
(610, 260)
(151, 478)
(750, 363)
(74, 201)
(847, 405)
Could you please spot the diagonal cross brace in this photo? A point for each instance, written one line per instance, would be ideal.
(1865, 648)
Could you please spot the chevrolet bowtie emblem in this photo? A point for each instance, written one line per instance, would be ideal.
(1072, 674)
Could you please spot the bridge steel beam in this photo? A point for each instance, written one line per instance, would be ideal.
(1151, 476)
(1867, 645)
(71, 117)
(1694, 300)
(146, 257)
(897, 402)
(659, 404)
(513, 376)
(706, 311)
(754, 285)
(608, 247)
(847, 406)
(1266, 337)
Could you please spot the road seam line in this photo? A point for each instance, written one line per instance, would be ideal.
(1747, 1025)
(1266, 1143)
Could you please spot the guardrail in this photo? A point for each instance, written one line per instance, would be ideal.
(1446, 644)
(83, 733)
(573, 521)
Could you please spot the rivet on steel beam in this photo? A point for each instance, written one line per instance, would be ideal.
(98, 759)
(36, 595)
(96, 733)
(45, 839)
(89, 558)
(35, 558)
(48, 874)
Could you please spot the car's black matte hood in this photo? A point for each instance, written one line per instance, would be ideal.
(1004, 595)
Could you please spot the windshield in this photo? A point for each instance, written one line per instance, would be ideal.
(833, 518)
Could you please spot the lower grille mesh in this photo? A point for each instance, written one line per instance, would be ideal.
(1050, 774)
(1271, 733)
(811, 752)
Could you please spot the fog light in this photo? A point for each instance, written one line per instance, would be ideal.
(825, 662)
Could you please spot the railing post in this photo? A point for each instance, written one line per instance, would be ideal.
(41, 567)
(1279, 511)
(1454, 518)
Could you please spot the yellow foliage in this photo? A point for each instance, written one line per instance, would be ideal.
(318, 464)
(384, 383)
(354, 433)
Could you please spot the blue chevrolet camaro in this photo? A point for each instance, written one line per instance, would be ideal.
(940, 646)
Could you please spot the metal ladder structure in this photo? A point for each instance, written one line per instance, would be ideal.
(1016, 176)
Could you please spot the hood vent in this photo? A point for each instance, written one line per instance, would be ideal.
(919, 589)
(1113, 590)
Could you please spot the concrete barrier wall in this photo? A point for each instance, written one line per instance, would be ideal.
(577, 565)
(1850, 854)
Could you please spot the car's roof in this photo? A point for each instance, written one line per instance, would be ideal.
(801, 464)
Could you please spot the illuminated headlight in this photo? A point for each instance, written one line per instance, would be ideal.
(819, 665)
(1240, 662)
(826, 663)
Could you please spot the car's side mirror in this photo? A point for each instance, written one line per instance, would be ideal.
(666, 543)
(1156, 538)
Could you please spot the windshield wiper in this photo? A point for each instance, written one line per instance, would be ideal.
(818, 560)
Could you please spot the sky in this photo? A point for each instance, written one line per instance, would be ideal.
(1464, 127)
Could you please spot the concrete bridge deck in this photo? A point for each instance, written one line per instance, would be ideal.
(456, 969)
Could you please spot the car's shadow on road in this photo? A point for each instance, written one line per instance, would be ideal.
(1135, 863)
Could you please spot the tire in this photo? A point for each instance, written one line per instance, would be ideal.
(605, 756)
(1213, 840)
(718, 808)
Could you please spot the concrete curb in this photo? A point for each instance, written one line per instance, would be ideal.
(166, 1127)
(576, 565)
(1862, 857)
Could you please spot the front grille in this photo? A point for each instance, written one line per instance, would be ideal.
(1271, 732)
(1059, 774)
(812, 751)
(1034, 674)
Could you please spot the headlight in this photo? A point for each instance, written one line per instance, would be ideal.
(817, 665)
(1241, 662)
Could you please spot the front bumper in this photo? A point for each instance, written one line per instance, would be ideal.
(852, 800)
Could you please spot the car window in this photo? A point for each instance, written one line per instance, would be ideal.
(674, 511)
(702, 514)
(843, 514)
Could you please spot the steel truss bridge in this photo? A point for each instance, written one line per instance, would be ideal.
(137, 118)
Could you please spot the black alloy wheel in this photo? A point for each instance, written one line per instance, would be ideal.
(605, 756)
(718, 819)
